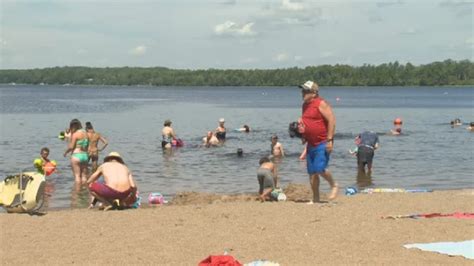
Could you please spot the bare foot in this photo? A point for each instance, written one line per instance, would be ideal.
(334, 191)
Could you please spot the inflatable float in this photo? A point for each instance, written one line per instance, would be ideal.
(22, 193)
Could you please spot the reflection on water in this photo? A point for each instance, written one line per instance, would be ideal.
(80, 196)
(364, 180)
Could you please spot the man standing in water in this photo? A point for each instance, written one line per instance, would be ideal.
(319, 126)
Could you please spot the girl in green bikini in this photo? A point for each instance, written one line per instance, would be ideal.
(78, 145)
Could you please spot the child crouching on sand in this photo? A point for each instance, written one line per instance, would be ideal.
(266, 175)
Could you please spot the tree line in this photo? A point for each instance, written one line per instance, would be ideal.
(448, 72)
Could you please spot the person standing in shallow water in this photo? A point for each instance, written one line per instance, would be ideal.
(367, 143)
(319, 128)
(276, 147)
(221, 131)
(78, 147)
(167, 135)
(94, 138)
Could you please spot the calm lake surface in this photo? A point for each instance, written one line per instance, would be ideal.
(431, 154)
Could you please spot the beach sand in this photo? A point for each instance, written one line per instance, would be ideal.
(349, 230)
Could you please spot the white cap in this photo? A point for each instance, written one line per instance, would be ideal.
(310, 86)
(222, 120)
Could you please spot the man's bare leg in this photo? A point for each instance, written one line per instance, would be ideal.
(334, 187)
(314, 181)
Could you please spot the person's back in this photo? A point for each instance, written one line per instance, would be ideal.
(93, 140)
(116, 176)
(368, 139)
(266, 178)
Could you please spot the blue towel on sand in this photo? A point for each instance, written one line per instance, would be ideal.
(464, 248)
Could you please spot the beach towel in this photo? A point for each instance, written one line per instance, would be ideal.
(220, 260)
(463, 248)
(457, 215)
(262, 263)
(393, 190)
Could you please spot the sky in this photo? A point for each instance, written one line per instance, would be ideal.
(232, 34)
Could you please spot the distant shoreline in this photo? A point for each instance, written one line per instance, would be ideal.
(445, 73)
(229, 86)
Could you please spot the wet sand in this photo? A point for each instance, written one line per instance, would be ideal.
(349, 230)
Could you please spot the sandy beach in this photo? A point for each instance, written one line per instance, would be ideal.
(349, 230)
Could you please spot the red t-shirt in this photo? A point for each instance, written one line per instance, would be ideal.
(316, 127)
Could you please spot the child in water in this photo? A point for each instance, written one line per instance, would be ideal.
(43, 165)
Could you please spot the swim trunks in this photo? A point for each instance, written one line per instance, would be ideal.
(317, 158)
(108, 193)
(365, 155)
(265, 179)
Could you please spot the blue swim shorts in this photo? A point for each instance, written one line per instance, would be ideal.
(317, 159)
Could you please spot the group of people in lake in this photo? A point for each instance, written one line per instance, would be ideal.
(316, 128)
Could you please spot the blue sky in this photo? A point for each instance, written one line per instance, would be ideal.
(192, 34)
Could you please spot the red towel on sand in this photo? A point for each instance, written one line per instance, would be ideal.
(220, 260)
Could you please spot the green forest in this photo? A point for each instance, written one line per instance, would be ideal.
(448, 72)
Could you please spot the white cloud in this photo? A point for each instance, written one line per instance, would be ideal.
(234, 29)
(81, 51)
(139, 50)
(298, 57)
(282, 57)
(291, 6)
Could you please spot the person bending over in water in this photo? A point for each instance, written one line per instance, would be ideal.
(119, 187)
(78, 147)
(267, 178)
(276, 147)
(167, 134)
(221, 131)
(368, 142)
(210, 140)
(94, 138)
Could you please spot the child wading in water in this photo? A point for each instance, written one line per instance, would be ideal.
(43, 165)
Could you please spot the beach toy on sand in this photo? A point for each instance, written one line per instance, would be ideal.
(351, 191)
(278, 194)
(156, 198)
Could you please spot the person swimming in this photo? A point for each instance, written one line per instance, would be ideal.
(398, 126)
(244, 128)
(456, 122)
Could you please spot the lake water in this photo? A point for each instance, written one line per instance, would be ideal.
(431, 154)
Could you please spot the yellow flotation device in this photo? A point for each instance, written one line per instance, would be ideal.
(22, 193)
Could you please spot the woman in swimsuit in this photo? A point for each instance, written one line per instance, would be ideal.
(221, 131)
(78, 146)
(167, 134)
(94, 138)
